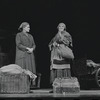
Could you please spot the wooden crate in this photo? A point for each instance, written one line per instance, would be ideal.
(14, 83)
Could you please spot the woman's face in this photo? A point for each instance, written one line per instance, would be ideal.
(26, 28)
(61, 27)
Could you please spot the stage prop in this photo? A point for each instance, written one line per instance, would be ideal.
(14, 83)
(87, 72)
(66, 86)
(14, 79)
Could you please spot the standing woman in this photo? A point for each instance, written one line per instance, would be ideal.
(61, 53)
(25, 46)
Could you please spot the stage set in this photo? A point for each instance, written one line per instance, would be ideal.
(88, 88)
(82, 22)
(44, 94)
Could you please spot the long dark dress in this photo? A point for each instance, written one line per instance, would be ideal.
(60, 66)
(23, 58)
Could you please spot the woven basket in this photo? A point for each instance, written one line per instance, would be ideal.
(14, 83)
(66, 85)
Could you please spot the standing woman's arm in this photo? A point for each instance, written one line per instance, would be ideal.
(70, 41)
(19, 44)
(33, 43)
(53, 42)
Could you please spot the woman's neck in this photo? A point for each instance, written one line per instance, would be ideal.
(25, 33)
(60, 32)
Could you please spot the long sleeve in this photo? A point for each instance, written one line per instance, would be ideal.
(71, 42)
(67, 39)
(33, 44)
(51, 42)
(19, 44)
(55, 39)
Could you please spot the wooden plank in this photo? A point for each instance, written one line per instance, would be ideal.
(45, 94)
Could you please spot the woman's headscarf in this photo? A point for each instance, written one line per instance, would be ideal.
(24, 24)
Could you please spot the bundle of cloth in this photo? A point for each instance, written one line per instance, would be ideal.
(16, 69)
(91, 63)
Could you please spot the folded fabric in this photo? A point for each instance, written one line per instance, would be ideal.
(91, 63)
(11, 68)
(16, 69)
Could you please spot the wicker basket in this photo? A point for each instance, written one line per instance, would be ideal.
(14, 83)
(66, 85)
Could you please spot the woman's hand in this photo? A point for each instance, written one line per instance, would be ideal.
(55, 44)
(29, 50)
(50, 47)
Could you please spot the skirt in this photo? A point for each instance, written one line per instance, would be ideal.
(59, 73)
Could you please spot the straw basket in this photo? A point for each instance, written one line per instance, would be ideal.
(66, 85)
(14, 83)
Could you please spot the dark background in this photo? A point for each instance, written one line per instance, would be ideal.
(80, 16)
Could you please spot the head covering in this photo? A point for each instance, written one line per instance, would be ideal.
(62, 24)
(24, 24)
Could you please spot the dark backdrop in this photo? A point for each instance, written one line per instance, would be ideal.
(80, 16)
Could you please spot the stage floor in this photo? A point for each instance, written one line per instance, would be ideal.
(40, 94)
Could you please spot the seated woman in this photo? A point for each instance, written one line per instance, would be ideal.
(61, 53)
